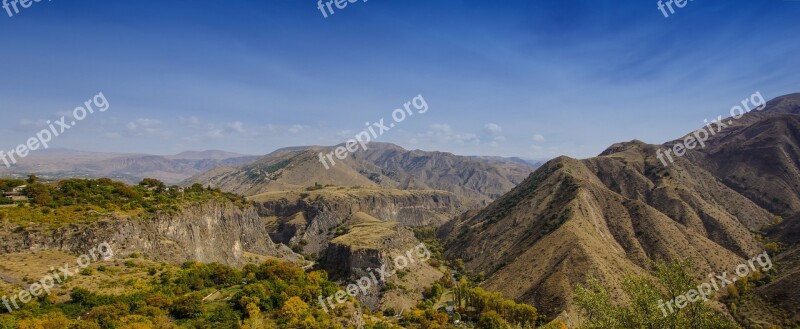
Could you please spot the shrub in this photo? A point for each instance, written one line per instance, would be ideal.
(187, 307)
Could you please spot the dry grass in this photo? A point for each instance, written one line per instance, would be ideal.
(115, 278)
(366, 232)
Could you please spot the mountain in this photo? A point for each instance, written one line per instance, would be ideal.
(526, 162)
(476, 181)
(206, 155)
(130, 168)
(616, 213)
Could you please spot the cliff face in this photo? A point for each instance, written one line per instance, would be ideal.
(311, 221)
(372, 247)
(214, 231)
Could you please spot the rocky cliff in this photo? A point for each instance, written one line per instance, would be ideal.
(310, 220)
(214, 231)
(372, 247)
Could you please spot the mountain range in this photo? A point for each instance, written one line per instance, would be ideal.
(127, 167)
(530, 231)
(616, 213)
(475, 180)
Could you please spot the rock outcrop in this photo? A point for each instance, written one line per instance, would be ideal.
(372, 247)
(309, 221)
(214, 231)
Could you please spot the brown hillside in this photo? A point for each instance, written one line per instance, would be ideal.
(600, 217)
(476, 181)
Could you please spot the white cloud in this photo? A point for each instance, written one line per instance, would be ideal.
(497, 140)
(191, 121)
(296, 129)
(237, 127)
(441, 128)
(25, 125)
(345, 134)
(146, 128)
(492, 129)
(266, 129)
(215, 133)
(538, 138)
(444, 134)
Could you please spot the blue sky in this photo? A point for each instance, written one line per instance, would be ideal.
(513, 78)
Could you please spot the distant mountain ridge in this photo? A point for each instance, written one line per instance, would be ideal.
(475, 180)
(208, 154)
(130, 168)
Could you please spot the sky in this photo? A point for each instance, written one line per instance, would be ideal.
(534, 79)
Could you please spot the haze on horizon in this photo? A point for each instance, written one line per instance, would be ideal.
(514, 79)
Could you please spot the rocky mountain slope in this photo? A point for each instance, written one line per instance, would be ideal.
(213, 231)
(476, 181)
(612, 214)
(350, 230)
(308, 221)
(373, 243)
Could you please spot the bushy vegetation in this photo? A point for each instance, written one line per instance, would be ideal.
(270, 295)
(263, 296)
(75, 200)
(6, 185)
(642, 310)
(197, 295)
(491, 309)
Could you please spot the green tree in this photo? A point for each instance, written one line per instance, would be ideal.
(187, 307)
(492, 320)
(153, 183)
(645, 297)
(39, 193)
(7, 184)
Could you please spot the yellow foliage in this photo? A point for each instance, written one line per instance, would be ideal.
(294, 308)
(30, 324)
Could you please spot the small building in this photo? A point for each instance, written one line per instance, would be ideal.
(17, 198)
(16, 194)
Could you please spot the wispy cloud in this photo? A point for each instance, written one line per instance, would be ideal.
(145, 127)
(441, 133)
(296, 129)
(492, 129)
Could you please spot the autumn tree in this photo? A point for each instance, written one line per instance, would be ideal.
(642, 310)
